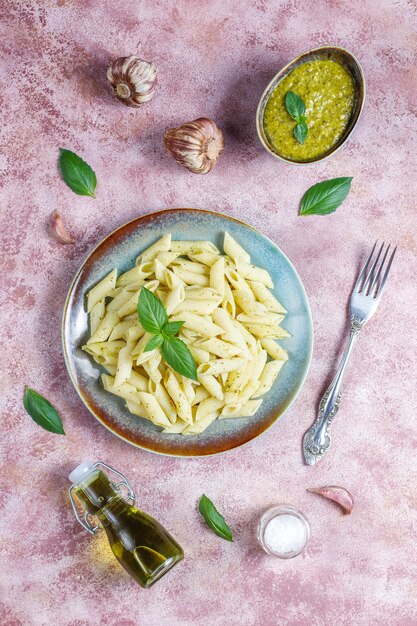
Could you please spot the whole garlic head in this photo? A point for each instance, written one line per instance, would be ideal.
(196, 145)
(133, 80)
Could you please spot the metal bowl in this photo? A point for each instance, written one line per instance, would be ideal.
(332, 53)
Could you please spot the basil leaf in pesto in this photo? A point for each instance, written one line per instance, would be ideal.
(300, 132)
(151, 312)
(154, 342)
(325, 197)
(42, 412)
(296, 108)
(213, 519)
(294, 105)
(77, 174)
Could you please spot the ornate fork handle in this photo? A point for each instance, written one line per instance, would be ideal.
(317, 439)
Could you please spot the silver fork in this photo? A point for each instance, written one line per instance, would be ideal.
(362, 305)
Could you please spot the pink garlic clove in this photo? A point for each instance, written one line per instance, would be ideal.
(61, 233)
(341, 496)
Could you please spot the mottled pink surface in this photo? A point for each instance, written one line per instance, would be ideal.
(214, 59)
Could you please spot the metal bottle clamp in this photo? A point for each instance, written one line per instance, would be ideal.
(84, 520)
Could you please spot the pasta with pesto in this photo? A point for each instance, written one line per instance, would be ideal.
(231, 324)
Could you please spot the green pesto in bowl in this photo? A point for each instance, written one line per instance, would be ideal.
(328, 91)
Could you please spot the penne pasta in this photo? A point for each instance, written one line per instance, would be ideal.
(231, 321)
(101, 290)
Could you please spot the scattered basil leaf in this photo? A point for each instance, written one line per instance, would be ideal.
(77, 174)
(325, 197)
(213, 519)
(42, 412)
(154, 342)
(300, 132)
(294, 105)
(178, 356)
(151, 312)
(172, 328)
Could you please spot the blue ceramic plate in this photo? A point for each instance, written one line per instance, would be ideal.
(120, 250)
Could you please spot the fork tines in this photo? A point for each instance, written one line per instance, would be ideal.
(372, 282)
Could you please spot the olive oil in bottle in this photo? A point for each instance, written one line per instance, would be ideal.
(138, 541)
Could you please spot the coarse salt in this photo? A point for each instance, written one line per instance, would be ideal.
(285, 535)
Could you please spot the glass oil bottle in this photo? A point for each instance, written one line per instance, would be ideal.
(138, 541)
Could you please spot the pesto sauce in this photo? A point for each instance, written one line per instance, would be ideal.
(328, 91)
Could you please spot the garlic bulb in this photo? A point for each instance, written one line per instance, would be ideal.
(133, 80)
(195, 145)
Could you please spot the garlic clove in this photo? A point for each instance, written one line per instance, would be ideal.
(195, 145)
(341, 496)
(61, 233)
(133, 80)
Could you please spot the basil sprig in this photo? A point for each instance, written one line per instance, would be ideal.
(325, 197)
(296, 108)
(77, 174)
(42, 412)
(213, 519)
(154, 319)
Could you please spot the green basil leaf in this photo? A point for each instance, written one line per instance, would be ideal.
(213, 519)
(172, 328)
(178, 356)
(42, 412)
(151, 312)
(77, 173)
(294, 105)
(300, 132)
(154, 342)
(323, 198)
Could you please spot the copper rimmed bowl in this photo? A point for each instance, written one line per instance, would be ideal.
(119, 250)
(332, 53)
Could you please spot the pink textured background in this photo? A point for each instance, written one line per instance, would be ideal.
(214, 59)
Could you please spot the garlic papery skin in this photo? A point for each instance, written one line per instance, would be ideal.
(133, 80)
(196, 145)
(61, 233)
(340, 495)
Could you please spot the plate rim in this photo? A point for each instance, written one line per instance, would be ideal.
(277, 414)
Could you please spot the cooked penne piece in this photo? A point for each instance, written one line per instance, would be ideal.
(201, 394)
(219, 366)
(268, 376)
(200, 307)
(162, 245)
(208, 407)
(203, 256)
(219, 347)
(274, 349)
(247, 410)
(105, 328)
(121, 328)
(268, 318)
(263, 330)
(137, 274)
(164, 400)
(125, 391)
(104, 348)
(267, 298)
(202, 293)
(191, 278)
(246, 301)
(174, 298)
(166, 258)
(136, 409)
(140, 346)
(176, 428)
(217, 276)
(200, 356)
(184, 247)
(213, 386)
(201, 425)
(228, 302)
(198, 323)
(191, 266)
(153, 409)
(233, 249)
(96, 315)
(124, 365)
(101, 290)
(178, 397)
(252, 272)
(236, 280)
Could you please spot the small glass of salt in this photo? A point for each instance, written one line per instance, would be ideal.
(283, 531)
